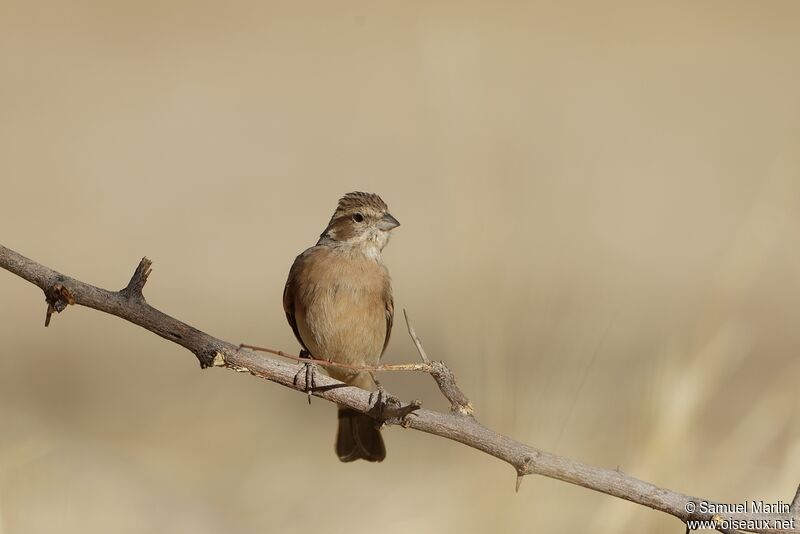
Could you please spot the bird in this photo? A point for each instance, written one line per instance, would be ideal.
(338, 301)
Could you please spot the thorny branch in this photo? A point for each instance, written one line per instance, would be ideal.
(445, 379)
(459, 425)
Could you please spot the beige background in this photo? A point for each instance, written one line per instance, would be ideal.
(599, 206)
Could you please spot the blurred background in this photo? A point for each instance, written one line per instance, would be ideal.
(600, 205)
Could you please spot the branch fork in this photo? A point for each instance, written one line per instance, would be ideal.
(134, 288)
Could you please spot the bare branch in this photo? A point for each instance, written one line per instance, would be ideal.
(129, 304)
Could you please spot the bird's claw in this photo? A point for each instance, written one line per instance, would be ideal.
(309, 370)
(381, 402)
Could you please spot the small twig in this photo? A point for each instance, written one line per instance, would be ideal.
(445, 379)
(325, 363)
(415, 339)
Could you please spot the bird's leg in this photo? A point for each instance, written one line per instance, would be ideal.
(310, 370)
(382, 399)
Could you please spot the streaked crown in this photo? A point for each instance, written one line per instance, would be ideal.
(358, 200)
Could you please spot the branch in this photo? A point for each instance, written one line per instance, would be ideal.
(129, 304)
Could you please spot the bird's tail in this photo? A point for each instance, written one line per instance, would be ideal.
(358, 437)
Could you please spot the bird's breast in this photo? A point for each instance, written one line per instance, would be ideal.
(341, 308)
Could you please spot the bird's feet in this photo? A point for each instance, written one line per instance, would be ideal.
(387, 408)
(309, 371)
(381, 400)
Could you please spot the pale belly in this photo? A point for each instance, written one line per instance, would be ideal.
(343, 318)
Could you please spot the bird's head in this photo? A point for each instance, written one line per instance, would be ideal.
(361, 220)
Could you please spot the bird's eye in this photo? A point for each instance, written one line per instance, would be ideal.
(357, 217)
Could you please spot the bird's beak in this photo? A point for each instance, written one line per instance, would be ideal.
(388, 222)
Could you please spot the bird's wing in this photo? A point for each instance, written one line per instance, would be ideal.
(288, 297)
(389, 310)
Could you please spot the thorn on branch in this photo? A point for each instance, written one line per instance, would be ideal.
(138, 280)
(526, 468)
(57, 297)
(795, 506)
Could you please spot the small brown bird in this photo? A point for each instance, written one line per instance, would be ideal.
(338, 300)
